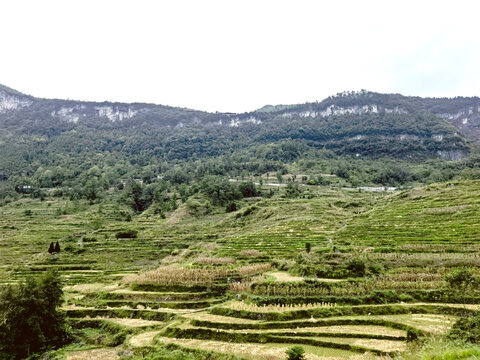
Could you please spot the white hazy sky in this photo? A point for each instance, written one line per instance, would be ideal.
(238, 55)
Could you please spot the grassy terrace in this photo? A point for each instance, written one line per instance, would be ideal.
(409, 242)
(437, 214)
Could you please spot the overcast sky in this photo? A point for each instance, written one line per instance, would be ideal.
(238, 55)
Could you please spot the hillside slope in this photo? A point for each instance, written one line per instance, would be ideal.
(360, 124)
(440, 214)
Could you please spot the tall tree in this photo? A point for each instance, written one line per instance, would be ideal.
(31, 321)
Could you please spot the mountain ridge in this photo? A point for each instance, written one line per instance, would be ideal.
(461, 112)
(356, 123)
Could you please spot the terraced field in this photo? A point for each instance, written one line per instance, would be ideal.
(375, 279)
(363, 332)
(437, 215)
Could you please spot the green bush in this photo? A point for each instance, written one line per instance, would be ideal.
(357, 267)
(466, 329)
(74, 249)
(127, 234)
(292, 190)
(231, 207)
(295, 353)
(197, 207)
(412, 335)
(460, 278)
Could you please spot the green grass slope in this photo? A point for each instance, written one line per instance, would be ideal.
(436, 214)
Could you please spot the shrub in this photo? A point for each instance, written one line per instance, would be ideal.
(248, 189)
(376, 269)
(74, 249)
(231, 207)
(412, 335)
(466, 329)
(295, 353)
(356, 267)
(87, 239)
(126, 234)
(122, 215)
(308, 247)
(292, 190)
(460, 278)
(197, 207)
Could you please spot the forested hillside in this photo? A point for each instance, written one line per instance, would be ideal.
(361, 138)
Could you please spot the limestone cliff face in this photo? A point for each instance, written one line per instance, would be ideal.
(334, 110)
(74, 113)
(10, 101)
(115, 113)
(466, 119)
(452, 154)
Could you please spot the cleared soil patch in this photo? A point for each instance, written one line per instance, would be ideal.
(461, 306)
(257, 351)
(95, 354)
(204, 316)
(143, 339)
(431, 323)
(337, 329)
(383, 345)
(435, 324)
(93, 287)
(283, 276)
(132, 322)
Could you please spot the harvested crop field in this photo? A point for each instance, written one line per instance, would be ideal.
(94, 354)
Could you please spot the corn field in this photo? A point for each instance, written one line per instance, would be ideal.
(250, 253)
(242, 306)
(248, 270)
(345, 289)
(171, 274)
(245, 284)
(215, 260)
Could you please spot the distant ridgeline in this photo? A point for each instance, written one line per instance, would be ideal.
(360, 124)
